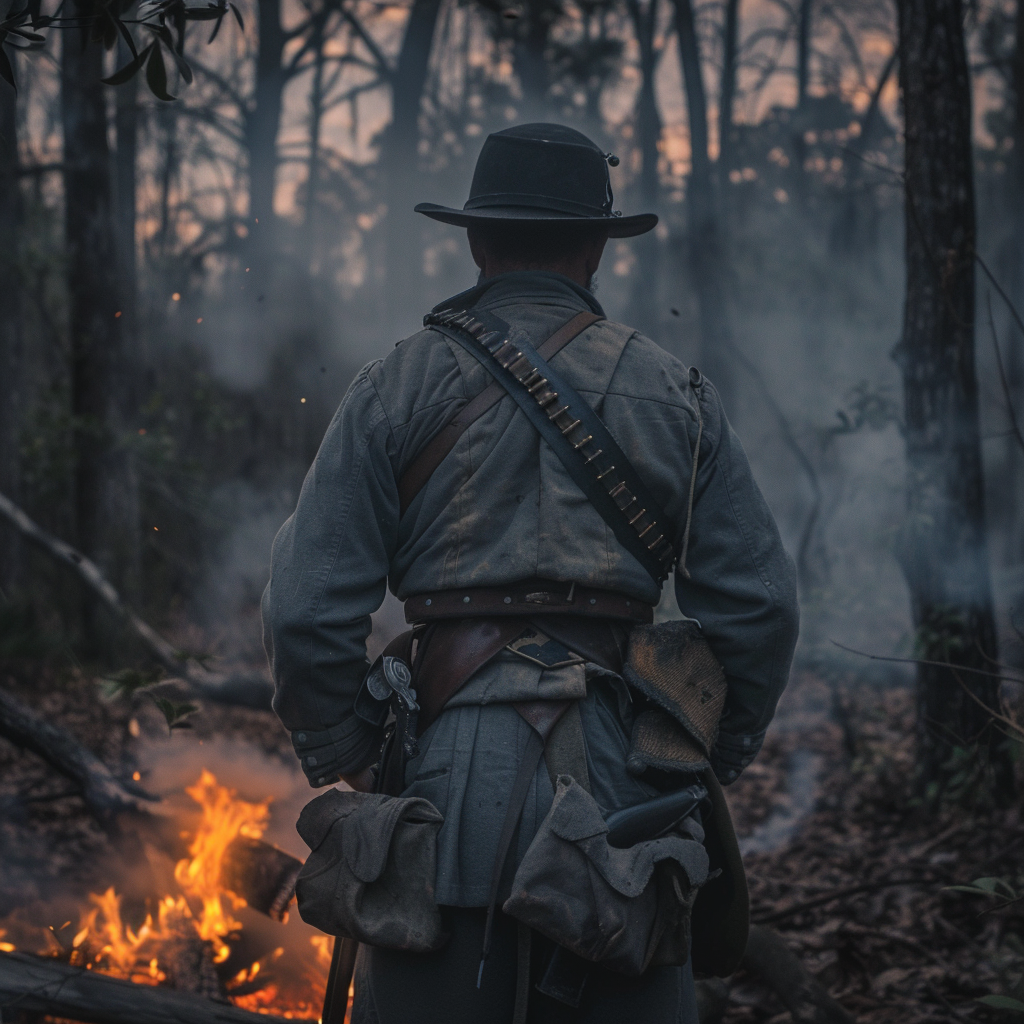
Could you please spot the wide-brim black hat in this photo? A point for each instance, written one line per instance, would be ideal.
(541, 173)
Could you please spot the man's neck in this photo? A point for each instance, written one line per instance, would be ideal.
(575, 270)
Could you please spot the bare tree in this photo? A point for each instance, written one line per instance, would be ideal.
(106, 493)
(648, 120)
(804, 17)
(530, 54)
(263, 121)
(727, 90)
(11, 357)
(400, 158)
(126, 121)
(704, 239)
(944, 551)
(1015, 354)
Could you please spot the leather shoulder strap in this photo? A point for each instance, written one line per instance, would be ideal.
(422, 467)
(574, 432)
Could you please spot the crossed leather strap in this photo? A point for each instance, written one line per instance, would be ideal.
(419, 471)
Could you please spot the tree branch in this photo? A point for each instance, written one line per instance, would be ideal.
(104, 794)
(1007, 395)
(248, 691)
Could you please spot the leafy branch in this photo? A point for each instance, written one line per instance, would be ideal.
(166, 21)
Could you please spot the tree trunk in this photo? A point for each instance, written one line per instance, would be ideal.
(648, 120)
(127, 125)
(844, 233)
(106, 490)
(316, 110)
(802, 119)
(1015, 353)
(727, 91)
(944, 550)
(400, 161)
(531, 65)
(803, 51)
(263, 121)
(643, 304)
(704, 242)
(11, 354)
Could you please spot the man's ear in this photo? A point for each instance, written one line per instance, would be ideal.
(476, 248)
(594, 253)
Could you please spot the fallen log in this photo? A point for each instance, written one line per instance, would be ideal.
(104, 794)
(772, 962)
(226, 688)
(263, 875)
(38, 985)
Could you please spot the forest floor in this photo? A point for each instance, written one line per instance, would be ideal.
(840, 861)
(860, 889)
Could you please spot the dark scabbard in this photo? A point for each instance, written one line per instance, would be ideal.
(653, 818)
(339, 981)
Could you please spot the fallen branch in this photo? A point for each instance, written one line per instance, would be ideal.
(259, 872)
(923, 661)
(838, 894)
(104, 794)
(770, 960)
(37, 985)
(248, 691)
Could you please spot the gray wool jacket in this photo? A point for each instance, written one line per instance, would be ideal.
(499, 509)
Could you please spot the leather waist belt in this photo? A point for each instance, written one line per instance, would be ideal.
(527, 599)
(450, 651)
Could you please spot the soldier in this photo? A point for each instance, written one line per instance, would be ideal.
(525, 578)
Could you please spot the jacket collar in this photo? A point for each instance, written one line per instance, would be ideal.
(531, 286)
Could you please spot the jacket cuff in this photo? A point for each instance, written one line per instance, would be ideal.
(731, 754)
(327, 754)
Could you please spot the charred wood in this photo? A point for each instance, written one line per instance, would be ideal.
(257, 871)
(33, 984)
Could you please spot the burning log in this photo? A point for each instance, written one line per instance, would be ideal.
(40, 985)
(264, 875)
(259, 872)
(248, 691)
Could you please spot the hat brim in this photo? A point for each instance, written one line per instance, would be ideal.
(617, 227)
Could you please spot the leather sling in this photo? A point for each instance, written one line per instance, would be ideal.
(573, 431)
(419, 471)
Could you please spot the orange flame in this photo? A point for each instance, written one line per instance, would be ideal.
(225, 818)
(111, 946)
(204, 909)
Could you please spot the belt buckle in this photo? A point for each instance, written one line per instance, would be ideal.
(537, 647)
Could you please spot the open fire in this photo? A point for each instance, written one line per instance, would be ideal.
(192, 938)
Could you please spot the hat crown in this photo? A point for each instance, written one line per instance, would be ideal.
(542, 166)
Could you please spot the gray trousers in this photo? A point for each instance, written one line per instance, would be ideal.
(392, 987)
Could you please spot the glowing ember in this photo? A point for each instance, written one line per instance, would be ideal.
(200, 917)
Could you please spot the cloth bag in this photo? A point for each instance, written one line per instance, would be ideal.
(623, 908)
(370, 875)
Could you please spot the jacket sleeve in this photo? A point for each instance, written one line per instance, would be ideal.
(742, 589)
(328, 573)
